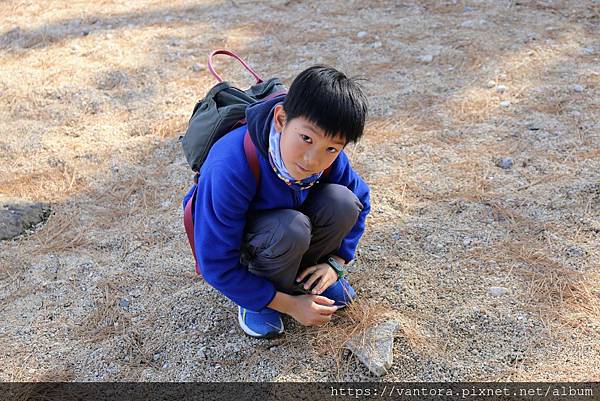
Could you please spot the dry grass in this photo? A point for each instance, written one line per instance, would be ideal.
(107, 319)
(60, 233)
(354, 320)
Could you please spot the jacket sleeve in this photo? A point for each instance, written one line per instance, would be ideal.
(342, 173)
(222, 201)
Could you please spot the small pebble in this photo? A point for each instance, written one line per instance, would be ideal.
(497, 291)
(575, 251)
(467, 24)
(427, 58)
(587, 50)
(198, 67)
(577, 88)
(376, 45)
(124, 303)
(505, 162)
(361, 34)
(505, 104)
(500, 88)
(490, 84)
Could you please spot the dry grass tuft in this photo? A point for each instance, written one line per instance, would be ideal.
(556, 292)
(49, 183)
(107, 319)
(169, 127)
(60, 233)
(354, 320)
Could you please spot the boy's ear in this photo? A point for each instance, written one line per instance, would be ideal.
(279, 117)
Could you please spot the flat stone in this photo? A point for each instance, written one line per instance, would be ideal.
(505, 162)
(577, 88)
(197, 67)
(498, 291)
(426, 58)
(374, 348)
(17, 216)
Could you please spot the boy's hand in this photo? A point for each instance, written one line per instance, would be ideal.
(313, 309)
(322, 274)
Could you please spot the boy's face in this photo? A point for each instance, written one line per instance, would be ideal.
(305, 149)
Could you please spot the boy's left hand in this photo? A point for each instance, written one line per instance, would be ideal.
(323, 273)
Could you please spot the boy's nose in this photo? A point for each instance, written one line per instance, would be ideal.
(310, 164)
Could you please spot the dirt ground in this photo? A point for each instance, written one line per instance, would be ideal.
(482, 152)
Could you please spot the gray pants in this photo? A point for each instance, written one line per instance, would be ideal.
(279, 244)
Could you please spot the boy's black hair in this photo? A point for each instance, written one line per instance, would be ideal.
(328, 99)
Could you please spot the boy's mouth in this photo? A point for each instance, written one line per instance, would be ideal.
(302, 168)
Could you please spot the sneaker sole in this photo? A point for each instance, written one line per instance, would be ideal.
(254, 334)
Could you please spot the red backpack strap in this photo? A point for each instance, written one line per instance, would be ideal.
(188, 223)
(250, 151)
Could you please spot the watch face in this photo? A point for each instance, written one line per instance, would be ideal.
(334, 263)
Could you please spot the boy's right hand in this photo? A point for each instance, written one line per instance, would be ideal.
(313, 309)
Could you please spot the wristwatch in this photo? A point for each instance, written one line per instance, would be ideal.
(335, 265)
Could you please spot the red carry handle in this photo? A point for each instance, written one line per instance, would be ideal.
(235, 56)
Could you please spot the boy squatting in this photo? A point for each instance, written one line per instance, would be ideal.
(273, 249)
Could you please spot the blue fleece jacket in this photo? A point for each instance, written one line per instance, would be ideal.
(227, 191)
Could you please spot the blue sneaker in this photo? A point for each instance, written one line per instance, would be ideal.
(341, 292)
(264, 324)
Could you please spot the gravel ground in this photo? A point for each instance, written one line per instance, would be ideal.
(481, 152)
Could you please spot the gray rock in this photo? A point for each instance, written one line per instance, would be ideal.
(505, 162)
(587, 50)
(124, 303)
(500, 88)
(376, 45)
(426, 58)
(505, 104)
(498, 291)
(374, 347)
(17, 216)
(490, 84)
(198, 67)
(467, 24)
(577, 88)
(361, 34)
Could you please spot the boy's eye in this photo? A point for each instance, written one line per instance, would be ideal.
(306, 138)
(331, 150)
